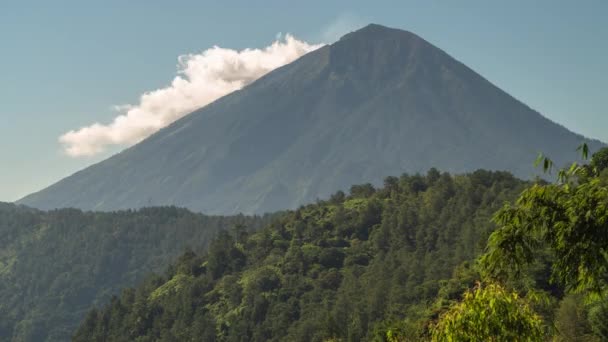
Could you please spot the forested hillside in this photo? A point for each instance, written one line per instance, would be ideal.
(55, 265)
(350, 268)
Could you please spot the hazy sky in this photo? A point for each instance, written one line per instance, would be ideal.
(66, 64)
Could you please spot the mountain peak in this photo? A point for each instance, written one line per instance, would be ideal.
(380, 101)
(381, 55)
(377, 28)
(375, 31)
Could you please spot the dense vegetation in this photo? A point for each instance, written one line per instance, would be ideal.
(55, 265)
(393, 264)
(434, 257)
(489, 313)
(560, 227)
(370, 265)
(566, 224)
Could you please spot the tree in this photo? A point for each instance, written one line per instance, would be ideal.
(338, 197)
(351, 271)
(599, 160)
(362, 191)
(489, 313)
(571, 320)
(567, 218)
(598, 319)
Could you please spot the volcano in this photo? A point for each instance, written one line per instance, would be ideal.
(378, 102)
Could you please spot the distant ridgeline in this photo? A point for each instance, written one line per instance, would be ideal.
(344, 269)
(55, 265)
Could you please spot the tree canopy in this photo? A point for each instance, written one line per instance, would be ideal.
(346, 269)
(489, 313)
(56, 265)
(569, 219)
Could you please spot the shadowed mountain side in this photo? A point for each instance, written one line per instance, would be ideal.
(379, 101)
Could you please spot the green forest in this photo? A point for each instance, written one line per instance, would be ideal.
(55, 265)
(348, 268)
(482, 256)
(476, 257)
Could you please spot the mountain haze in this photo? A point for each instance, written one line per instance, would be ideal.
(379, 101)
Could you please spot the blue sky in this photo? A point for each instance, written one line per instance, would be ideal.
(64, 64)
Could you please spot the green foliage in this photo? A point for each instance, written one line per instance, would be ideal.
(56, 265)
(568, 219)
(174, 285)
(571, 321)
(347, 269)
(564, 224)
(489, 313)
(597, 313)
(599, 160)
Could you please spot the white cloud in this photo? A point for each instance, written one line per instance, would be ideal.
(202, 78)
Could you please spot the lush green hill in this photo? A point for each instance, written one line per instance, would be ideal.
(55, 265)
(345, 268)
(377, 102)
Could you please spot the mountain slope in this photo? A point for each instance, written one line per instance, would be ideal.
(55, 265)
(379, 101)
(337, 270)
